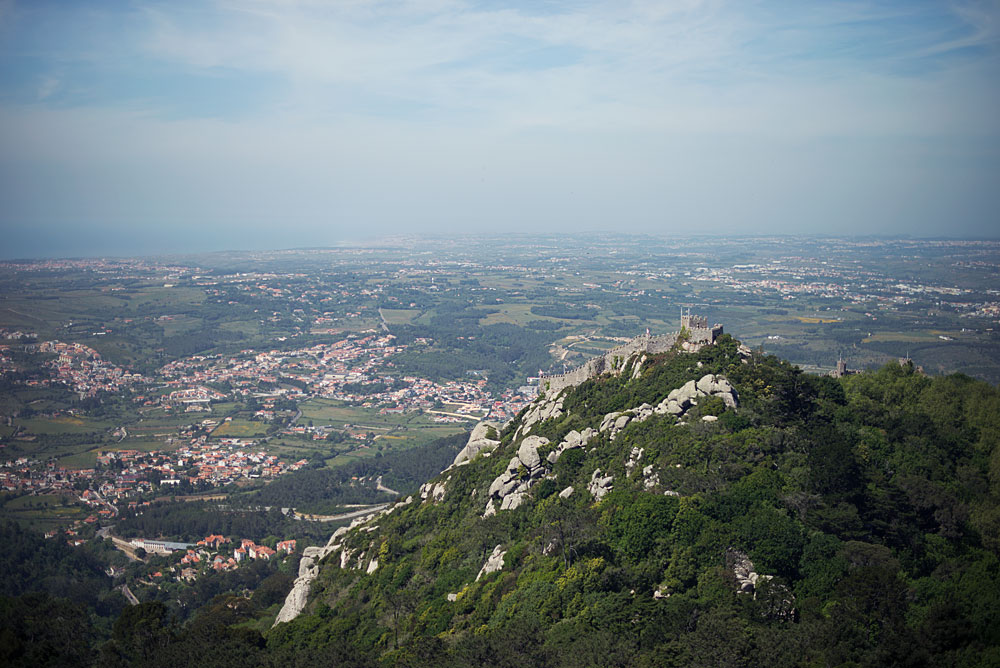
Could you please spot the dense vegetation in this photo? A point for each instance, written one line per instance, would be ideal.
(56, 602)
(873, 501)
(192, 521)
(31, 563)
(506, 352)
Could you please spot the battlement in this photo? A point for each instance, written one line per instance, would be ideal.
(698, 333)
(690, 322)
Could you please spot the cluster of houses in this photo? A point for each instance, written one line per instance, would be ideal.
(213, 552)
(338, 370)
(129, 474)
(85, 371)
(202, 461)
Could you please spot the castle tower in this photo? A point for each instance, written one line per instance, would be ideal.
(690, 322)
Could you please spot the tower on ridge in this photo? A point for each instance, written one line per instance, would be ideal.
(690, 322)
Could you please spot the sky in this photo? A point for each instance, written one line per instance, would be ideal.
(133, 127)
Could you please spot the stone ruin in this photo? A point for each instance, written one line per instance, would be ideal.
(698, 334)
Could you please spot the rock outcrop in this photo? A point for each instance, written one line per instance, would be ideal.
(599, 485)
(478, 442)
(434, 491)
(546, 407)
(676, 403)
(574, 439)
(295, 601)
(780, 601)
(511, 487)
(686, 396)
(493, 563)
(633, 461)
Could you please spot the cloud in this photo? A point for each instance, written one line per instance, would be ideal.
(47, 87)
(579, 65)
(378, 115)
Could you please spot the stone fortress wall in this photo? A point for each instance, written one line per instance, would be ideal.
(699, 333)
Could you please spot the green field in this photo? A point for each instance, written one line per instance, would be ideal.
(515, 314)
(337, 413)
(81, 460)
(909, 337)
(238, 428)
(62, 425)
(44, 512)
(392, 432)
(399, 316)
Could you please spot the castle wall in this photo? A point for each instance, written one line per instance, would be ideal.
(645, 343)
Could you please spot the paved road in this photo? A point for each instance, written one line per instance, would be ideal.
(129, 595)
(382, 488)
(458, 415)
(370, 510)
(361, 511)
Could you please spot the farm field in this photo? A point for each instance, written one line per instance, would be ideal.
(62, 425)
(395, 316)
(391, 432)
(43, 512)
(238, 428)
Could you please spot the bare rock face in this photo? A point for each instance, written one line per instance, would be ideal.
(633, 460)
(637, 367)
(478, 442)
(544, 408)
(650, 478)
(780, 602)
(295, 602)
(680, 400)
(528, 452)
(574, 439)
(434, 491)
(493, 563)
(297, 598)
(512, 501)
(510, 489)
(742, 567)
(491, 509)
(599, 485)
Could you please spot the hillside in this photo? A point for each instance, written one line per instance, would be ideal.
(690, 509)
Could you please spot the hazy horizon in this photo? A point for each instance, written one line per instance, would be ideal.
(392, 241)
(155, 128)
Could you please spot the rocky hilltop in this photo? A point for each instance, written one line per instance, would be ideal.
(706, 506)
